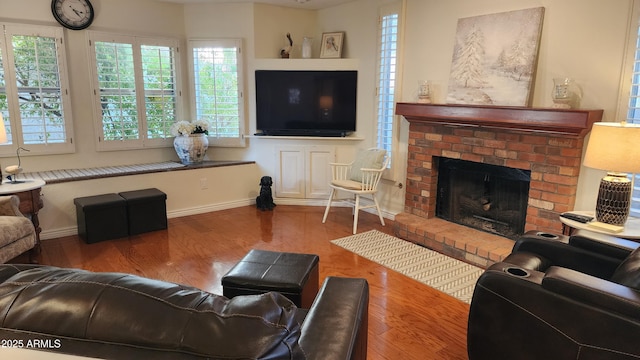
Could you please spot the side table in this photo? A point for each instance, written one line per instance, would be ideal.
(30, 201)
(631, 229)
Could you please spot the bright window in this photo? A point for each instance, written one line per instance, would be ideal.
(633, 116)
(630, 95)
(217, 91)
(34, 96)
(136, 90)
(387, 79)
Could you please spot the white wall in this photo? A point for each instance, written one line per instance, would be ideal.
(227, 187)
(582, 39)
(142, 17)
(264, 28)
(157, 18)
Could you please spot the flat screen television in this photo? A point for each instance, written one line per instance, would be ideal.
(306, 103)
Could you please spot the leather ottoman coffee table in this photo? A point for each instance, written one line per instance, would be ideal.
(293, 275)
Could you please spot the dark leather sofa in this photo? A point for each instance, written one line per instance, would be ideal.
(559, 297)
(122, 316)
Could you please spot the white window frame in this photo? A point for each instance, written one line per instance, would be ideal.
(627, 79)
(137, 41)
(214, 138)
(394, 170)
(12, 114)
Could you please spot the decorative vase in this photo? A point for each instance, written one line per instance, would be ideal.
(562, 94)
(614, 199)
(424, 92)
(191, 149)
(306, 47)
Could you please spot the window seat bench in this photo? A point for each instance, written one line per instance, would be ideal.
(68, 175)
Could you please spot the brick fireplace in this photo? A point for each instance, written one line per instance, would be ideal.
(547, 142)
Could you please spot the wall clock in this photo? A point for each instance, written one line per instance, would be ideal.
(73, 14)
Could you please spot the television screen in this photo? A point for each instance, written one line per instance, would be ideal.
(306, 103)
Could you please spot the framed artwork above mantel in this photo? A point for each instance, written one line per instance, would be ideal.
(495, 58)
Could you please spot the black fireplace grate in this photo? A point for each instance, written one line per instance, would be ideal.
(486, 197)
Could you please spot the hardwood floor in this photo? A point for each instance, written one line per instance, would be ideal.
(407, 320)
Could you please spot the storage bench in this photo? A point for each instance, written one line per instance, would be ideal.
(101, 217)
(146, 210)
(293, 275)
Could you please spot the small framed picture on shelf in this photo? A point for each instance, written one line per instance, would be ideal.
(331, 46)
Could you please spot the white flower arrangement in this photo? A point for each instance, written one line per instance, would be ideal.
(185, 128)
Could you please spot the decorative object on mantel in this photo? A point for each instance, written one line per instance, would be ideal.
(286, 51)
(614, 147)
(331, 46)
(14, 170)
(565, 94)
(306, 47)
(494, 58)
(424, 92)
(191, 142)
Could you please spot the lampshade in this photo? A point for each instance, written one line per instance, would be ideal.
(3, 131)
(614, 147)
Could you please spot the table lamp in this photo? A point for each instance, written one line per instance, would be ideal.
(614, 147)
(3, 138)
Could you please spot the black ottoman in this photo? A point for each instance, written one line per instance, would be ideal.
(146, 210)
(293, 275)
(101, 217)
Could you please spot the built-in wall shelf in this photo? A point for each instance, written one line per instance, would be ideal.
(306, 64)
(339, 138)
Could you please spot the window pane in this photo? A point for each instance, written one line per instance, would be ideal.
(216, 89)
(386, 80)
(633, 116)
(3, 99)
(116, 80)
(39, 92)
(159, 90)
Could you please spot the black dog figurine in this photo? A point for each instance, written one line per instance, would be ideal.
(265, 200)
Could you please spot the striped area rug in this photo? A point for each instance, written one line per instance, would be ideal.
(451, 276)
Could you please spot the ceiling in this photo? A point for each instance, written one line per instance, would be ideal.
(299, 4)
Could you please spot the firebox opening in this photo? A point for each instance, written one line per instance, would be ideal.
(486, 197)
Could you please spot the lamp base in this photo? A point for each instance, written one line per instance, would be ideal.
(614, 199)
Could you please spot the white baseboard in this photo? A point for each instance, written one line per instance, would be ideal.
(73, 230)
(336, 203)
(58, 233)
(208, 208)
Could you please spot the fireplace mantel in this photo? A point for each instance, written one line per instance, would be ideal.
(573, 122)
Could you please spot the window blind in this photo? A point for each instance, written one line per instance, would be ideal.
(386, 76)
(633, 116)
(116, 79)
(34, 95)
(217, 89)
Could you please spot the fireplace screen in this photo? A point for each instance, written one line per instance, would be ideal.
(483, 196)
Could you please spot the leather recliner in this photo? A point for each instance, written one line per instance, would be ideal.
(559, 297)
(123, 316)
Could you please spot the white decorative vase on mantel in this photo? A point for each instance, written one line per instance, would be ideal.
(192, 148)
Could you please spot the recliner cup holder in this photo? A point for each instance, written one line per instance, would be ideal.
(516, 271)
(547, 235)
